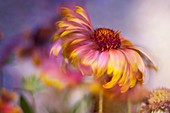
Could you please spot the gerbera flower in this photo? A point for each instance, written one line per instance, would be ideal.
(101, 52)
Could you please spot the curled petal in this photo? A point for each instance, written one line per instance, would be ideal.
(149, 62)
(135, 63)
(115, 77)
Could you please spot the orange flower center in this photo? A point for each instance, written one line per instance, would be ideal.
(106, 39)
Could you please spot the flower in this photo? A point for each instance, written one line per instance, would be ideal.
(102, 52)
(7, 102)
(52, 73)
(158, 100)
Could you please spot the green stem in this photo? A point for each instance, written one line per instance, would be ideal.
(33, 101)
(129, 106)
(101, 102)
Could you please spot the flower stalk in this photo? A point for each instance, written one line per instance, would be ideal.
(129, 106)
(101, 102)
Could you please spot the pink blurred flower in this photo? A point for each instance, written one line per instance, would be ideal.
(7, 102)
(52, 73)
(102, 52)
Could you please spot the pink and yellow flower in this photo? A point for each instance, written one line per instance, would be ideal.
(101, 52)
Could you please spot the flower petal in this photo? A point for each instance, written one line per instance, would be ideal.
(90, 57)
(83, 13)
(135, 64)
(77, 20)
(80, 51)
(102, 62)
(148, 61)
(124, 88)
(124, 42)
(115, 77)
(125, 77)
(116, 61)
(85, 70)
(56, 48)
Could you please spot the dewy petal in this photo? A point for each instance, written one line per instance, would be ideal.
(102, 64)
(56, 48)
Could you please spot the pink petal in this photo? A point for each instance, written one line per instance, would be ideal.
(102, 62)
(90, 57)
(56, 48)
(116, 61)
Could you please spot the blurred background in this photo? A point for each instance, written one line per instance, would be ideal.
(27, 27)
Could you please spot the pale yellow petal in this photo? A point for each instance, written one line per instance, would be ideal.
(116, 61)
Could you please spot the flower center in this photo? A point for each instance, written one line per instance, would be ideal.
(106, 39)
